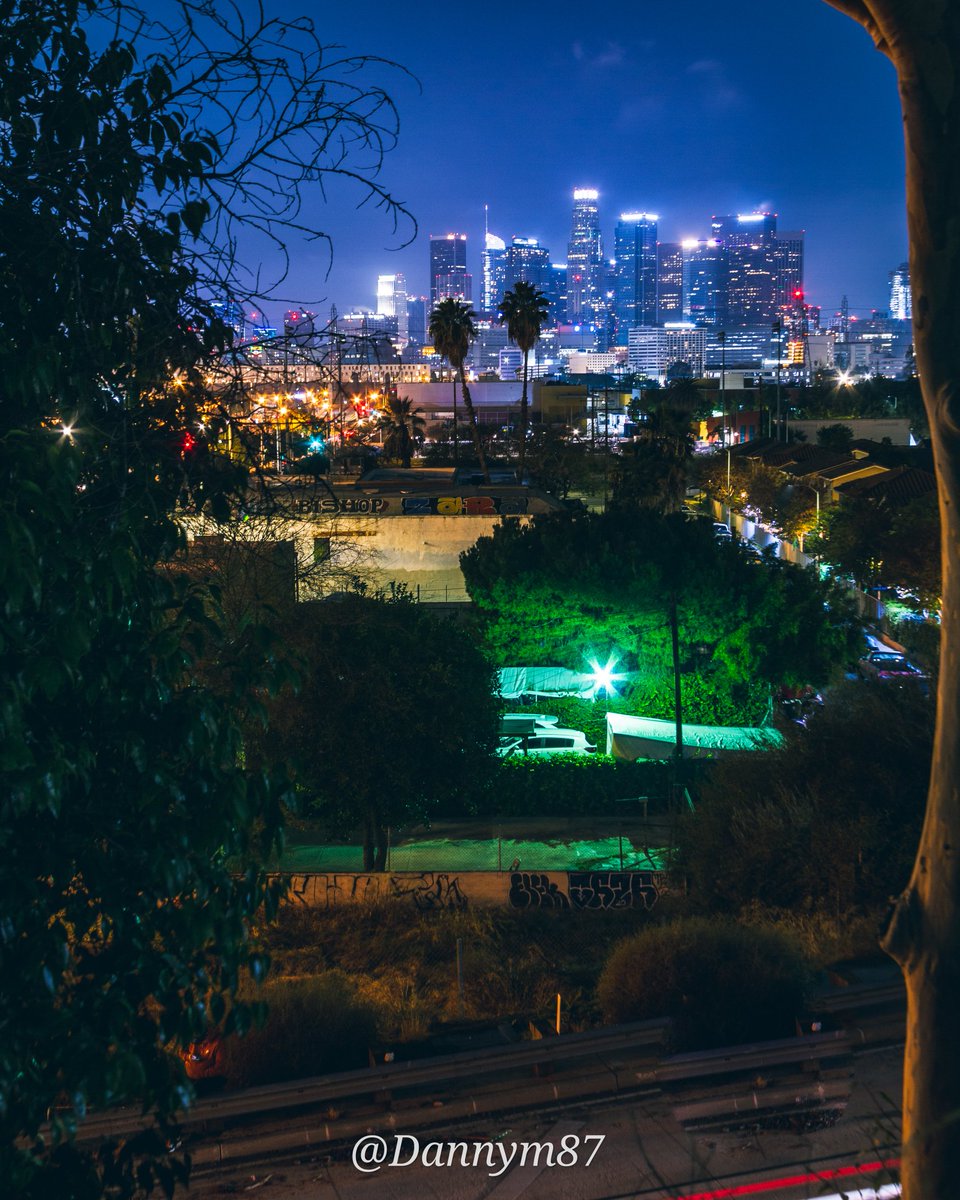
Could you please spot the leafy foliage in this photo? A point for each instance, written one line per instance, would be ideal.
(524, 310)
(573, 785)
(402, 427)
(722, 983)
(313, 1026)
(564, 589)
(897, 545)
(827, 824)
(127, 165)
(452, 330)
(395, 713)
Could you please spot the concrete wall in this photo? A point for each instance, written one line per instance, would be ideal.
(421, 552)
(427, 891)
(897, 429)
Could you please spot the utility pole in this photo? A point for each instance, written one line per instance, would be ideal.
(722, 339)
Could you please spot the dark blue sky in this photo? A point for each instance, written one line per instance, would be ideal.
(684, 109)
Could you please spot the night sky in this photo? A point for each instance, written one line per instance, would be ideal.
(683, 109)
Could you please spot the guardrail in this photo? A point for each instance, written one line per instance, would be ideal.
(734, 1085)
(645, 1037)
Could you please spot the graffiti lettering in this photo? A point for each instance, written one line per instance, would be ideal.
(430, 892)
(535, 891)
(470, 506)
(613, 889)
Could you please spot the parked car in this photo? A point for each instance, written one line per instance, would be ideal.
(551, 741)
(519, 723)
(799, 704)
(889, 665)
(722, 531)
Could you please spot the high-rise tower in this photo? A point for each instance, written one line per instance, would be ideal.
(635, 286)
(492, 266)
(761, 270)
(392, 302)
(585, 263)
(448, 268)
(901, 303)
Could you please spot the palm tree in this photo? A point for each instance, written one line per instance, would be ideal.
(402, 427)
(452, 329)
(524, 311)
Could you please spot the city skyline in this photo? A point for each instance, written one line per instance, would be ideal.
(684, 113)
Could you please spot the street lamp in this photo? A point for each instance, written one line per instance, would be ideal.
(816, 524)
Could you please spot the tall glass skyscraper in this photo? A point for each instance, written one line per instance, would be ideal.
(448, 268)
(669, 282)
(526, 259)
(585, 265)
(901, 303)
(635, 285)
(492, 266)
(392, 302)
(761, 270)
(702, 281)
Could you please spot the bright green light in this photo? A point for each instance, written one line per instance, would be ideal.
(604, 679)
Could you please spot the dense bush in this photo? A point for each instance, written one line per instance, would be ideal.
(574, 785)
(829, 823)
(722, 983)
(313, 1026)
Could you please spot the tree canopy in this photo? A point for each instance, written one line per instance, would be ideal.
(396, 713)
(131, 155)
(568, 588)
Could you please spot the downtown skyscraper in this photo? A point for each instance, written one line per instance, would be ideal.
(586, 269)
(635, 287)
(448, 268)
(761, 271)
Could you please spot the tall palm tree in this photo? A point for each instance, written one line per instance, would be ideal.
(452, 329)
(524, 311)
(402, 427)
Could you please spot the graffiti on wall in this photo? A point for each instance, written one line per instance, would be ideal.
(585, 889)
(427, 890)
(430, 891)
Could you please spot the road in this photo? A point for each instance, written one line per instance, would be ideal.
(643, 1153)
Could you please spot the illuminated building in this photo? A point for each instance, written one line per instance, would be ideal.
(392, 302)
(761, 270)
(702, 276)
(525, 259)
(231, 314)
(417, 320)
(901, 302)
(655, 349)
(448, 268)
(492, 288)
(585, 264)
(669, 282)
(635, 273)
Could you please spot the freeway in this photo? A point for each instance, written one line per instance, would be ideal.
(642, 1151)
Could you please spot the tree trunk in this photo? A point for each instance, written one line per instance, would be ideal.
(922, 40)
(474, 427)
(524, 416)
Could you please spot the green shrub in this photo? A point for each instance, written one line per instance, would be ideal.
(313, 1026)
(572, 785)
(722, 983)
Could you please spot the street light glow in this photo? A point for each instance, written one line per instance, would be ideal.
(604, 678)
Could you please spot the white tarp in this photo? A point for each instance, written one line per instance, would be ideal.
(645, 737)
(545, 681)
